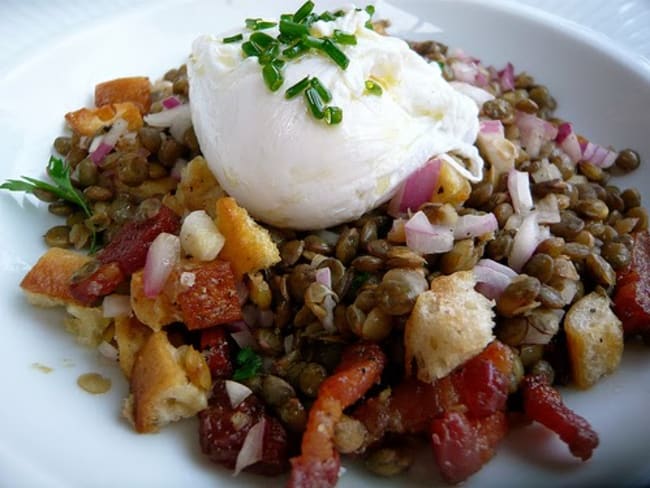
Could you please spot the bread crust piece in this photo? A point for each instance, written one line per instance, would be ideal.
(594, 338)
(450, 324)
(130, 335)
(135, 89)
(167, 384)
(47, 284)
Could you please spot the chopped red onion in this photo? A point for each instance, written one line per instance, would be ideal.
(533, 132)
(109, 351)
(177, 170)
(237, 392)
(507, 78)
(598, 155)
(253, 448)
(324, 276)
(500, 268)
(568, 142)
(475, 225)
(490, 282)
(425, 238)
(163, 254)
(178, 119)
(464, 71)
(171, 102)
(479, 95)
(242, 335)
(526, 240)
(116, 306)
(416, 189)
(108, 141)
(519, 190)
(489, 127)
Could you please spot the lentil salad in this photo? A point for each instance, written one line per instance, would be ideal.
(374, 276)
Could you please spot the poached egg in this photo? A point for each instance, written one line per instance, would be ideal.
(289, 169)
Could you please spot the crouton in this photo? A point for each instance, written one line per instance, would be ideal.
(450, 324)
(198, 188)
(159, 311)
(499, 152)
(136, 89)
(200, 237)
(88, 121)
(87, 324)
(130, 335)
(47, 284)
(167, 384)
(452, 188)
(248, 246)
(594, 339)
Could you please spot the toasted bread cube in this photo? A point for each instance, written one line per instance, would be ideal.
(159, 311)
(248, 246)
(594, 338)
(47, 284)
(135, 89)
(198, 188)
(499, 152)
(88, 121)
(200, 237)
(450, 324)
(452, 188)
(87, 324)
(210, 298)
(130, 335)
(167, 384)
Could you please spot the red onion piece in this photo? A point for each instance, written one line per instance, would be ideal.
(475, 225)
(117, 130)
(177, 170)
(252, 449)
(163, 254)
(500, 268)
(519, 190)
(237, 392)
(526, 240)
(507, 78)
(416, 189)
(424, 238)
(324, 276)
(109, 351)
(167, 117)
(116, 306)
(491, 127)
(598, 155)
(490, 282)
(242, 335)
(98, 155)
(171, 102)
(533, 132)
(478, 94)
(464, 71)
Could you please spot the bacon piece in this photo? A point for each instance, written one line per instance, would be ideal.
(216, 350)
(318, 464)
(543, 403)
(632, 297)
(462, 445)
(124, 255)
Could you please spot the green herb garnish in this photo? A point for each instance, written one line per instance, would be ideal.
(250, 49)
(249, 363)
(272, 77)
(259, 24)
(295, 90)
(333, 115)
(261, 40)
(335, 53)
(324, 93)
(315, 103)
(293, 29)
(231, 39)
(343, 38)
(302, 13)
(373, 88)
(59, 172)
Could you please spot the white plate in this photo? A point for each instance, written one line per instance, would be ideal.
(54, 434)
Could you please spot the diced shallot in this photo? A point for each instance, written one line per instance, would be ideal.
(237, 392)
(479, 95)
(475, 225)
(171, 102)
(507, 78)
(598, 155)
(491, 282)
(534, 132)
(488, 127)
(116, 306)
(108, 141)
(324, 276)
(253, 448)
(162, 255)
(519, 190)
(425, 238)
(568, 142)
(501, 268)
(242, 335)
(526, 240)
(177, 170)
(417, 189)
(109, 351)
(178, 119)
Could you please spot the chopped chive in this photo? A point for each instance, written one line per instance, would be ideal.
(344, 38)
(259, 24)
(269, 54)
(327, 16)
(339, 13)
(370, 9)
(303, 11)
(313, 42)
(285, 39)
(296, 50)
(293, 29)
(296, 89)
(261, 40)
(231, 39)
(314, 102)
(335, 54)
(322, 91)
(278, 63)
(373, 88)
(369, 25)
(250, 49)
(333, 115)
(272, 76)
(288, 17)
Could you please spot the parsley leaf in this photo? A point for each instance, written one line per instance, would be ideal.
(249, 363)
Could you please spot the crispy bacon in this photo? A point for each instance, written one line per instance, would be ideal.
(125, 254)
(462, 444)
(216, 350)
(632, 297)
(544, 404)
(318, 464)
